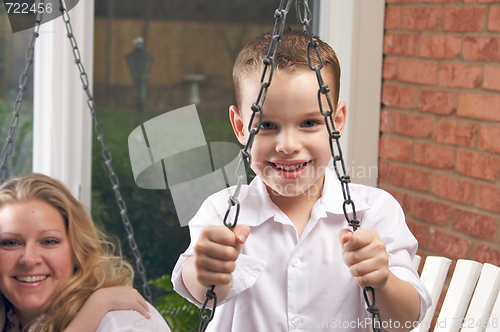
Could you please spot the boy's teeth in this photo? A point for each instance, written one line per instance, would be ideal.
(31, 279)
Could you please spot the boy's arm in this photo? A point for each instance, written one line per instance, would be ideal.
(195, 288)
(398, 301)
(366, 256)
(214, 258)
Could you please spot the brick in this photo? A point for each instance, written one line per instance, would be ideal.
(419, 232)
(486, 254)
(397, 96)
(488, 197)
(463, 18)
(439, 46)
(402, 198)
(420, 18)
(439, 102)
(410, 178)
(419, 126)
(459, 75)
(447, 244)
(489, 138)
(394, 148)
(392, 17)
(400, 44)
(479, 106)
(430, 211)
(491, 78)
(384, 171)
(478, 165)
(481, 48)
(432, 155)
(385, 121)
(455, 132)
(475, 224)
(440, 1)
(454, 189)
(494, 18)
(390, 69)
(417, 71)
(401, 1)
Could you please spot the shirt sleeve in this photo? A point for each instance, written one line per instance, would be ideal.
(133, 321)
(390, 224)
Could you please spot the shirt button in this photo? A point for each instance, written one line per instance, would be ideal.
(295, 261)
(296, 321)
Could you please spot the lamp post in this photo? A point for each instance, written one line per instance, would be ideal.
(139, 63)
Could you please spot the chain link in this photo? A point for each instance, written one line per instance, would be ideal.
(305, 18)
(106, 154)
(23, 79)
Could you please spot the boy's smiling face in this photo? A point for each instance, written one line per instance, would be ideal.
(292, 149)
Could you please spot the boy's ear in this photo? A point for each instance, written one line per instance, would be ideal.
(237, 123)
(340, 116)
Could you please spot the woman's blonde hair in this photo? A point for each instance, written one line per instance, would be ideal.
(96, 265)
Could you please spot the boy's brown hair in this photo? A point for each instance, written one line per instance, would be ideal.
(292, 55)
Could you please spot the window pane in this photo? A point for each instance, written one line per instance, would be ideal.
(194, 44)
(12, 64)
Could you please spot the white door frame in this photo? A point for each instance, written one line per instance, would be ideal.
(355, 30)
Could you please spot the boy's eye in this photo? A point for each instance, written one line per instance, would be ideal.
(267, 126)
(10, 243)
(309, 123)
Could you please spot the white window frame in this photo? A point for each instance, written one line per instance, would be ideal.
(62, 125)
(355, 30)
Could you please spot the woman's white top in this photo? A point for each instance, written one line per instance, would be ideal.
(133, 321)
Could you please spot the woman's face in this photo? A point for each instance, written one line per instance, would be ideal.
(35, 256)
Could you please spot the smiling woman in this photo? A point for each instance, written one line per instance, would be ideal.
(57, 272)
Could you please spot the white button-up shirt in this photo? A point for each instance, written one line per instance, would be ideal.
(286, 283)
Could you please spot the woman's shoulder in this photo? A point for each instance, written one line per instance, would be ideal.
(133, 321)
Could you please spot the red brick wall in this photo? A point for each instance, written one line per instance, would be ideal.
(440, 123)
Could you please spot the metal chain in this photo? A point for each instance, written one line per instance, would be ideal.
(106, 154)
(265, 81)
(23, 79)
(305, 18)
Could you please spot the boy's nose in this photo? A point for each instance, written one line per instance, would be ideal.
(288, 142)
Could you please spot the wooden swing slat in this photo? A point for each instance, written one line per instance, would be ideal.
(416, 262)
(481, 305)
(458, 296)
(495, 316)
(433, 277)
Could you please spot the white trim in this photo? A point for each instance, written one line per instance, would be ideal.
(355, 30)
(62, 130)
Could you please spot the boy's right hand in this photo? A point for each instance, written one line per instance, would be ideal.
(215, 253)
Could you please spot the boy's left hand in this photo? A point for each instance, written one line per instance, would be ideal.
(366, 256)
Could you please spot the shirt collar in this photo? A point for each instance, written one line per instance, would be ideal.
(257, 207)
(332, 197)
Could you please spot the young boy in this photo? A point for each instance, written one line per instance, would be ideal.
(290, 263)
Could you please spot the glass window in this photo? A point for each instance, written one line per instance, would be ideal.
(194, 44)
(12, 64)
